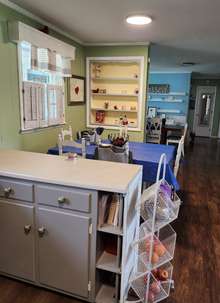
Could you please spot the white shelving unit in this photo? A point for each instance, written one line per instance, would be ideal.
(151, 279)
(117, 81)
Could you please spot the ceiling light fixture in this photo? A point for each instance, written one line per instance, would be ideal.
(138, 20)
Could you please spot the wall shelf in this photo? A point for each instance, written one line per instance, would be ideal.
(120, 77)
(171, 111)
(167, 100)
(169, 94)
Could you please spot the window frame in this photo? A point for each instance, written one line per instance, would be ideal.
(21, 104)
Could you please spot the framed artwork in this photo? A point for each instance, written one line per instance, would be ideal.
(76, 90)
(152, 112)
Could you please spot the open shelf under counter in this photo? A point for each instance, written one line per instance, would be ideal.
(108, 262)
(110, 229)
(106, 294)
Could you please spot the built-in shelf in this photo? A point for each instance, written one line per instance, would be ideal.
(110, 229)
(167, 100)
(119, 81)
(114, 110)
(115, 95)
(106, 294)
(108, 262)
(116, 79)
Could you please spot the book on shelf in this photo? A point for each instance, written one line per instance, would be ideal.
(109, 210)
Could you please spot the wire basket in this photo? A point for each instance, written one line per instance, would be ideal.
(167, 209)
(163, 247)
(160, 281)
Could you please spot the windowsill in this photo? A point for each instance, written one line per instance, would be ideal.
(40, 129)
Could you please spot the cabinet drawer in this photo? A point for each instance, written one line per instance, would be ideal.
(19, 190)
(67, 198)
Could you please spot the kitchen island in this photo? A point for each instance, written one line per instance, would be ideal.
(49, 231)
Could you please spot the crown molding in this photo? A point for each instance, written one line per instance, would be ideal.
(26, 13)
(40, 20)
(116, 43)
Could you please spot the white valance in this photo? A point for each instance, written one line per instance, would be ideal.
(19, 32)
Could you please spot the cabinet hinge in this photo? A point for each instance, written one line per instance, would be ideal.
(89, 286)
(90, 229)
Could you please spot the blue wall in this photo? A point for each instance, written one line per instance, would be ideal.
(179, 83)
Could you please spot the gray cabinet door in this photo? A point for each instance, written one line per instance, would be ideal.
(64, 251)
(17, 240)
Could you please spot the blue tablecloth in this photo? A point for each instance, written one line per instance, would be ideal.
(145, 154)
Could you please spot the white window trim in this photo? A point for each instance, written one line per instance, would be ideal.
(21, 107)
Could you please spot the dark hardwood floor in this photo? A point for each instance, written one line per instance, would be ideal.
(197, 256)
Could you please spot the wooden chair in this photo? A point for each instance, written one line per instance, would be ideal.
(178, 155)
(81, 146)
(108, 154)
(153, 130)
(172, 139)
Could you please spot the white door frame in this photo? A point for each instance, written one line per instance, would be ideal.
(199, 88)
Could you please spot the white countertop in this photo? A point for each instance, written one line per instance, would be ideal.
(83, 173)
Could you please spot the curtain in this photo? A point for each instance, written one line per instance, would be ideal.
(46, 59)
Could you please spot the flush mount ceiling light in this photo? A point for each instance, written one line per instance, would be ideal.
(138, 20)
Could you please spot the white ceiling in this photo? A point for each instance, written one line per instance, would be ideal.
(182, 30)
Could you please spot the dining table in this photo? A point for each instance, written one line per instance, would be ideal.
(145, 154)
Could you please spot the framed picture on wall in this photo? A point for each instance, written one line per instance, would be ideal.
(152, 112)
(76, 90)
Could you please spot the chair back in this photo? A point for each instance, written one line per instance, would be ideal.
(154, 128)
(109, 154)
(178, 156)
(185, 131)
(67, 133)
(81, 146)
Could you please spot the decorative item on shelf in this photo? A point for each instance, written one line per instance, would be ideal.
(76, 90)
(100, 116)
(106, 105)
(124, 92)
(136, 76)
(115, 107)
(159, 88)
(152, 112)
(136, 91)
(132, 107)
(97, 70)
(102, 91)
(95, 91)
(123, 107)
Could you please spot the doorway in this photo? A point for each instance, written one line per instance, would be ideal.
(204, 110)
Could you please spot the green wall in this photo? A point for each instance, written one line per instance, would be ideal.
(39, 141)
(10, 136)
(208, 82)
(111, 51)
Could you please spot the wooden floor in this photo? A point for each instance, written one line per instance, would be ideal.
(197, 256)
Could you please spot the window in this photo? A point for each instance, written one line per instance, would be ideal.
(42, 81)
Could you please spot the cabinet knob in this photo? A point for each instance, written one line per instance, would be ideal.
(61, 200)
(41, 231)
(7, 191)
(27, 229)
